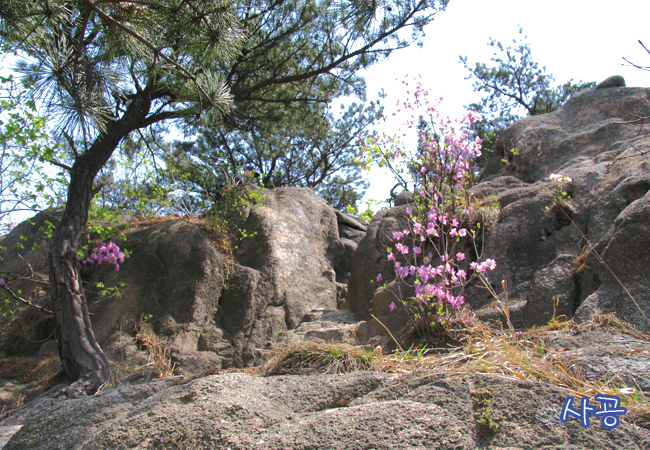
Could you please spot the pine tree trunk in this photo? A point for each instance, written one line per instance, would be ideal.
(81, 356)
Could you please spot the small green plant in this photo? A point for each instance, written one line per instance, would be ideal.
(413, 354)
(484, 414)
(559, 193)
(540, 349)
(514, 151)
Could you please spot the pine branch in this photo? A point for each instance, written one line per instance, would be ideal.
(158, 52)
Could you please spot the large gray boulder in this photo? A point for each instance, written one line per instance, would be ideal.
(211, 309)
(552, 258)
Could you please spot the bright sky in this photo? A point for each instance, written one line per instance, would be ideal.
(574, 39)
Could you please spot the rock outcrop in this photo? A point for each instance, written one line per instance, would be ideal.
(211, 311)
(549, 253)
(361, 410)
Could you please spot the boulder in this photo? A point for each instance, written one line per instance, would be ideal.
(210, 310)
(597, 141)
(370, 259)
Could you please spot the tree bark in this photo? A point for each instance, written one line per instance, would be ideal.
(81, 356)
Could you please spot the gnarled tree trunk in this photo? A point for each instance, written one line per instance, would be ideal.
(82, 358)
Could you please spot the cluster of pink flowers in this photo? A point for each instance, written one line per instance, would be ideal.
(106, 253)
(444, 164)
(434, 284)
(485, 265)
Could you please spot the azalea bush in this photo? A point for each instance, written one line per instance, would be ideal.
(437, 253)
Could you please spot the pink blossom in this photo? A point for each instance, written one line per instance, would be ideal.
(109, 253)
(417, 250)
(379, 278)
(460, 256)
(403, 249)
(392, 306)
(462, 232)
(391, 256)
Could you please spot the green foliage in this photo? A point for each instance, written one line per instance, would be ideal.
(366, 215)
(299, 145)
(223, 221)
(484, 414)
(26, 183)
(513, 84)
(413, 354)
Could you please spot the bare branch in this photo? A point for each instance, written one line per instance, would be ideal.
(22, 300)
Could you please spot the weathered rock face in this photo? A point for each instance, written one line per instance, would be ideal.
(544, 257)
(297, 262)
(212, 312)
(370, 258)
(596, 140)
(362, 410)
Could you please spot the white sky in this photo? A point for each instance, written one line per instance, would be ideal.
(574, 39)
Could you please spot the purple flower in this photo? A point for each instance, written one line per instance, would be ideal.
(379, 278)
(392, 306)
(2, 281)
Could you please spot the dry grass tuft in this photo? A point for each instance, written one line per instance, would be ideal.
(47, 372)
(319, 358)
(159, 355)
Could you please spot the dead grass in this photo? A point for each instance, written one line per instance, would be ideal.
(47, 372)
(158, 353)
(319, 358)
(142, 222)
